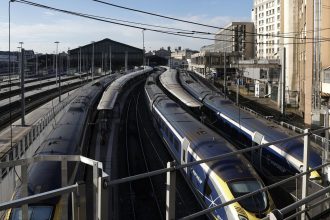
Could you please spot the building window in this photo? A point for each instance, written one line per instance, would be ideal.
(326, 76)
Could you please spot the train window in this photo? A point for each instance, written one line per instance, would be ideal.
(255, 203)
(170, 137)
(167, 131)
(184, 155)
(176, 144)
(207, 190)
(35, 213)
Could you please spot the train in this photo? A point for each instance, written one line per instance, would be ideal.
(214, 182)
(247, 130)
(108, 105)
(65, 139)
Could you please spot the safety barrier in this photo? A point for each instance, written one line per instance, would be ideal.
(102, 182)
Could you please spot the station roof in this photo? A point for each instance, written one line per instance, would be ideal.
(106, 40)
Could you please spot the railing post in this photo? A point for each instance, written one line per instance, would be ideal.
(64, 175)
(170, 193)
(73, 206)
(104, 197)
(275, 215)
(25, 208)
(305, 178)
(96, 191)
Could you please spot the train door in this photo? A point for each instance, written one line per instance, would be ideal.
(184, 152)
(256, 155)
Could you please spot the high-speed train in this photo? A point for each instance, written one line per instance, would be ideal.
(248, 130)
(214, 182)
(65, 139)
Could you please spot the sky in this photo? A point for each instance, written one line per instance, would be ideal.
(39, 28)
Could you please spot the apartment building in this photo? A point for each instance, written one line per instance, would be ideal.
(236, 37)
(266, 15)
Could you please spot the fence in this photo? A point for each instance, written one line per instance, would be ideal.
(103, 180)
(99, 182)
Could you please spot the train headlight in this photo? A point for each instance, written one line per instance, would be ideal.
(315, 175)
(241, 217)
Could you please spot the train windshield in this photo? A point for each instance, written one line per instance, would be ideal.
(256, 203)
(35, 213)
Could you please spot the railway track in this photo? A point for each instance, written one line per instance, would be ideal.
(140, 151)
(140, 196)
(12, 111)
(13, 92)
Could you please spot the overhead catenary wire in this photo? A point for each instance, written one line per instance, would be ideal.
(153, 30)
(194, 23)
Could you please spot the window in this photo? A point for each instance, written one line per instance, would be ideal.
(176, 144)
(170, 136)
(207, 190)
(326, 76)
(35, 212)
(184, 155)
(258, 202)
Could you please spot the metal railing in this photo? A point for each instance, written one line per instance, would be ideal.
(103, 180)
(100, 180)
(169, 200)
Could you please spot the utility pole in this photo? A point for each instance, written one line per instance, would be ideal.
(37, 64)
(59, 80)
(68, 62)
(79, 61)
(126, 58)
(110, 58)
(46, 65)
(144, 61)
(102, 63)
(93, 62)
(22, 84)
(224, 74)
(283, 76)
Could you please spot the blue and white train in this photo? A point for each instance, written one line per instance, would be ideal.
(248, 130)
(214, 182)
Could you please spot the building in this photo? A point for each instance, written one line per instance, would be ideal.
(233, 43)
(267, 18)
(182, 54)
(313, 57)
(207, 63)
(297, 26)
(236, 37)
(163, 53)
(154, 60)
(261, 72)
(14, 60)
(108, 55)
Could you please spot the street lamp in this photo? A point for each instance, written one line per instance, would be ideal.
(59, 80)
(93, 61)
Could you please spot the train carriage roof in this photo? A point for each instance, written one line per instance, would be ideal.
(170, 82)
(206, 143)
